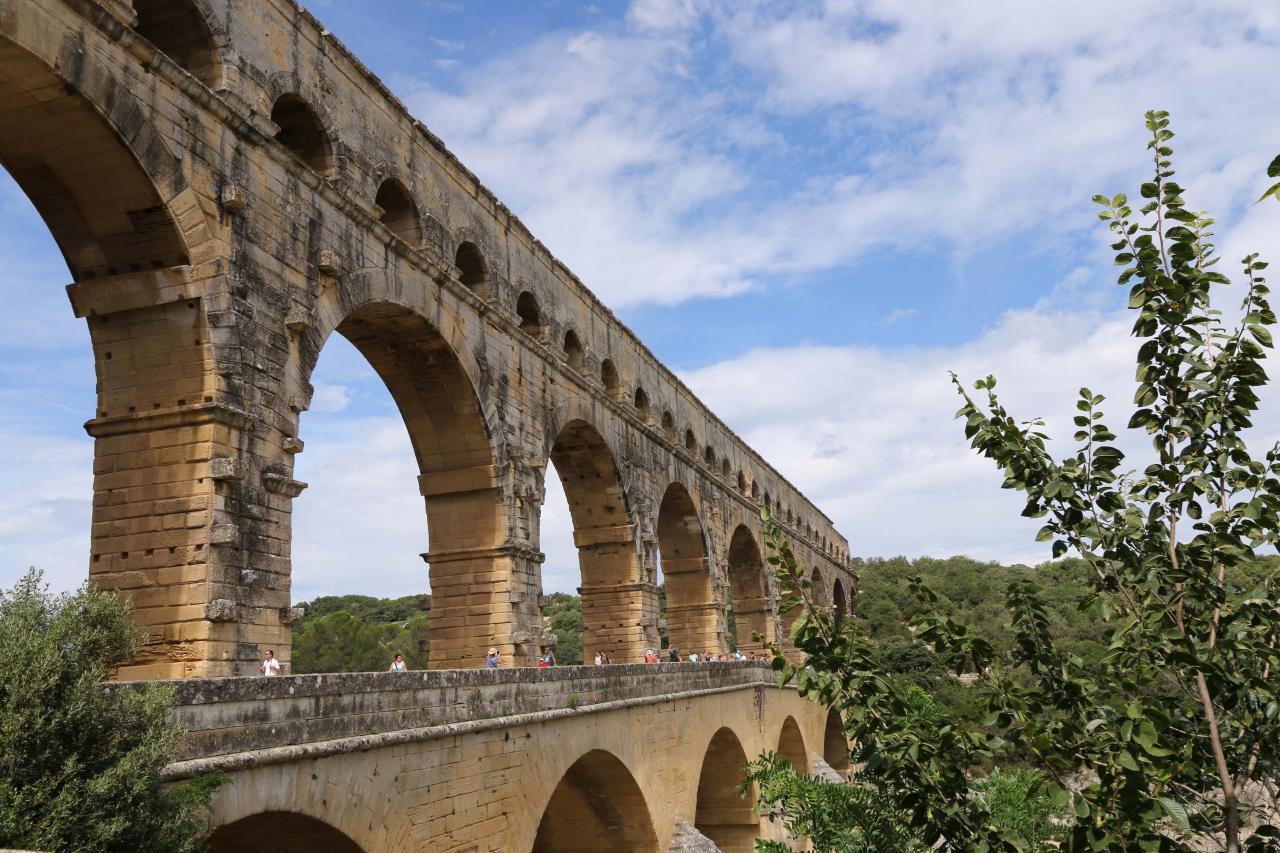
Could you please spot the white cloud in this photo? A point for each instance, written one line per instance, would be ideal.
(897, 315)
(330, 398)
(45, 510)
(869, 433)
(926, 126)
(661, 14)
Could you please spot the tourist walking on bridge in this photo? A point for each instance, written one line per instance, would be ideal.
(491, 660)
(397, 665)
(269, 665)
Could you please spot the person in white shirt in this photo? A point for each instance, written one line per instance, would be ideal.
(269, 665)
(397, 665)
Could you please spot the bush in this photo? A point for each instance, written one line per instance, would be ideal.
(81, 763)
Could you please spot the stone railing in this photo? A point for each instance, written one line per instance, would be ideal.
(225, 716)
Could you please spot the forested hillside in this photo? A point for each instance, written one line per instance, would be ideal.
(356, 633)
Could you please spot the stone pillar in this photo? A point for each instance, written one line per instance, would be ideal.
(750, 618)
(473, 574)
(614, 601)
(693, 619)
(166, 436)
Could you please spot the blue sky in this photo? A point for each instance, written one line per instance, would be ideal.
(835, 202)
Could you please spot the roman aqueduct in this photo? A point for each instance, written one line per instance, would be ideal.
(230, 187)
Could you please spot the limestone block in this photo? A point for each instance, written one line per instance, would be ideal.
(232, 198)
(223, 468)
(221, 610)
(281, 485)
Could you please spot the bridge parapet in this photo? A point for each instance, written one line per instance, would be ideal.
(224, 716)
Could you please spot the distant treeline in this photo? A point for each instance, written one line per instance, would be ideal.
(357, 633)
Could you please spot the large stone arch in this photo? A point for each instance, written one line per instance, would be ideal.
(791, 745)
(470, 571)
(835, 746)
(749, 590)
(692, 614)
(723, 815)
(615, 594)
(280, 832)
(597, 807)
(102, 175)
(839, 603)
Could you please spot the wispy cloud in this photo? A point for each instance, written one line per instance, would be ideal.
(897, 315)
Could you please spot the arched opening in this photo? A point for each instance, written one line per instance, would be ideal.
(839, 604)
(530, 315)
(455, 475)
(791, 745)
(835, 746)
(723, 814)
(472, 269)
(100, 205)
(709, 457)
(725, 468)
(573, 352)
(610, 380)
(302, 133)
(398, 212)
(280, 832)
(749, 604)
(596, 808)
(690, 441)
(755, 491)
(682, 551)
(614, 596)
(641, 401)
(669, 424)
(179, 31)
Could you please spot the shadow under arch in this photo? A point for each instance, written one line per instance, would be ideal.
(747, 587)
(791, 745)
(597, 807)
(839, 603)
(835, 746)
(614, 594)
(457, 474)
(105, 196)
(723, 815)
(686, 570)
(280, 832)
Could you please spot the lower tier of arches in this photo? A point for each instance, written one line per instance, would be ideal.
(631, 779)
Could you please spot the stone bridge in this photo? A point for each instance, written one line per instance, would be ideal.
(230, 187)
(592, 759)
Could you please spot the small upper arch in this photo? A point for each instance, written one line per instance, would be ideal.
(181, 31)
(531, 319)
(301, 131)
(574, 354)
(610, 379)
(641, 402)
(690, 440)
(395, 208)
(472, 269)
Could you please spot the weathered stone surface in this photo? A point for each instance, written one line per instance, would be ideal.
(231, 187)
(687, 839)
(649, 756)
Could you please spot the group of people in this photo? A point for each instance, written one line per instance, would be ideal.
(672, 655)
(547, 657)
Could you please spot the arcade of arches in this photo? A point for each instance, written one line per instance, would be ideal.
(221, 218)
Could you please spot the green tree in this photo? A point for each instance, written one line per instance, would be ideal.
(1175, 726)
(564, 615)
(81, 763)
(344, 642)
